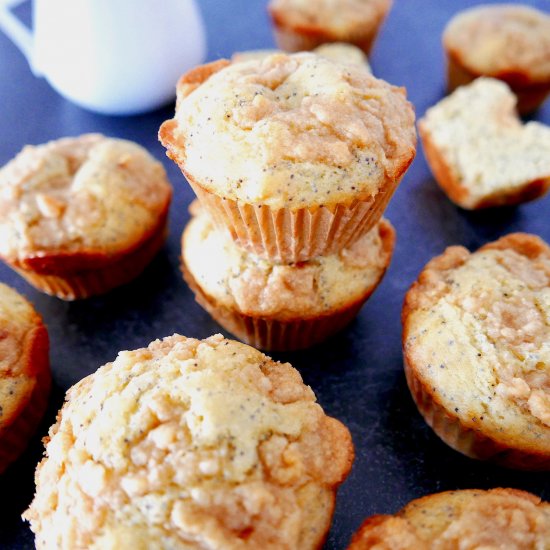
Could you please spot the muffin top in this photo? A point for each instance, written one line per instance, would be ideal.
(190, 444)
(21, 335)
(344, 19)
(290, 131)
(254, 286)
(504, 40)
(469, 519)
(477, 335)
(88, 194)
(483, 143)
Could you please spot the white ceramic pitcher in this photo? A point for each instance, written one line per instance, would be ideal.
(111, 56)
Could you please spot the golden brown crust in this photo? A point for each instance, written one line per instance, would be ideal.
(498, 29)
(96, 274)
(271, 334)
(466, 432)
(452, 163)
(441, 170)
(467, 519)
(359, 140)
(286, 292)
(90, 195)
(24, 373)
(299, 32)
(210, 444)
(192, 79)
(282, 307)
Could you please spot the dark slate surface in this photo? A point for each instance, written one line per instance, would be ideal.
(356, 375)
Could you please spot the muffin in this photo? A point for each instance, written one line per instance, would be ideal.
(305, 24)
(476, 347)
(278, 306)
(339, 52)
(510, 42)
(82, 215)
(190, 444)
(296, 156)
(468, 519)
(479, 151)
(24, 373)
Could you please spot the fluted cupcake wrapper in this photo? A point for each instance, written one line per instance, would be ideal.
(290, 236)
(15, 437)
(461, 438)
(272, 334)
(91, 282)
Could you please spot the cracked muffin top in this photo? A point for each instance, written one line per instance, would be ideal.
(290, 131)
(88, 194)
(190, 444)
(23, 354)
(342, 19)
(469, 520)
(504, 40)
(477, 335)
(241, 280)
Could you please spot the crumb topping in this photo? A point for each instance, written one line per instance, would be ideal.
(344, 19)
(291, 131)
(479, 333)
(469, 520)
(240, 280)
(507, 40)
(17, 321)
(484, 143)
(190, 444)
(87, 193)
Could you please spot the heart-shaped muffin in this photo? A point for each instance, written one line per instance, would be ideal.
(480, 152)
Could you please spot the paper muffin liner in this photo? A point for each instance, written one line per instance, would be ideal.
(291, 236)
(276, 335)
(15, 437)
(91, 282)
(530, 96)
(465, 440)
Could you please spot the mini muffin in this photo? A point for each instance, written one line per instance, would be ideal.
(468, 519)
(24, 373)
(297, 156)
(510, 42)
(305, 24)
(277, 306)
(190, 444)
(476, 341)
(339, 52)
(82, 215)
(479, 151)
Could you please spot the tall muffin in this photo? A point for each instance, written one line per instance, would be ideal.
(24, 373)
(498, 518)
(82, 215)
(297, 156)
(278, 306)
(510, 42)
(305, 24)
(477, 356)
(190, 444)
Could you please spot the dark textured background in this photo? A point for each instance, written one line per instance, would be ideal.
(356, 375)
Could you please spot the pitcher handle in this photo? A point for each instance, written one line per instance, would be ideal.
(18, 33)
